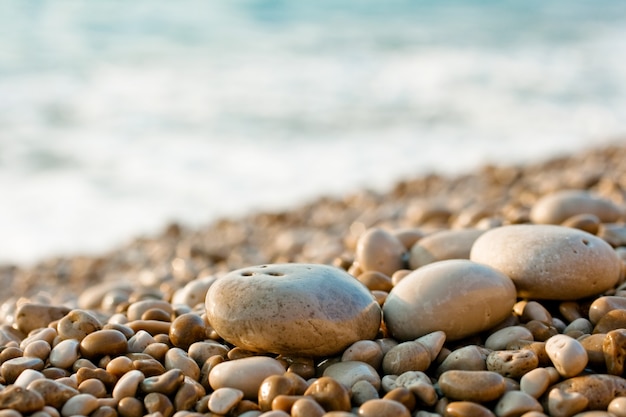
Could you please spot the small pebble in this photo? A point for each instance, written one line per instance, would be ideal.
(568, 355)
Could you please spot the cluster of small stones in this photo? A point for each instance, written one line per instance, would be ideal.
(466, 325)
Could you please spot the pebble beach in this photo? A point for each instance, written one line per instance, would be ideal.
(496, 292)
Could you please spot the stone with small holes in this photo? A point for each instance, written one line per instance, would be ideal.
(292, 309)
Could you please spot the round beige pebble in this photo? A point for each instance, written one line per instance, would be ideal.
(194, 292)
(350, 372)
(65, 353)
(27, 376)
(617, 407)
(222, 400)
(476, 386)
(38, 349)
(568, 355)
(516, 403)
(383, 408)
(79, 405)
(367, 351)
(500, 339)
(379, 250)
(556, 207)
(128, 384)
(474, 298)
(292, 309)
(535, 382)
(246, 374)
(406, 356)
(466, 358)
(549, 262)
(443, 245)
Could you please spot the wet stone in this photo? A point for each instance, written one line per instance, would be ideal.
(288, 309)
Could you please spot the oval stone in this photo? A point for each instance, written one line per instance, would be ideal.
(379, 250)
(458, 297)
(549, 262)
(443, 245)
(292, 309)
(556, 207)
(246, 374)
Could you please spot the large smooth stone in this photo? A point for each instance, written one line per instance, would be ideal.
(458, 297)
(292, 309)
(549, 262)
(555, 208)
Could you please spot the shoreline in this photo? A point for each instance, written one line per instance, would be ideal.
(323, 230)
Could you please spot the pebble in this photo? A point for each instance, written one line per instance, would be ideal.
(379, 250)
(614, 350)
(476, 386)
(603, 305)
(499, 339)
(367, 351)
(415, 381)
(406, 356)
(292, 309)
(383, 408)
(558, 206)
(467, 409)
(330, 394)
(222, 400)
(103, 342)
(245, 374)
(549, 262)
(20, 399)
(362, 391)
(350, 372)
(474, 297)
(568, 355)
(65, 353)
(32, 316)
(516, 403)
(128, 384)
(79, 405)
(194, 292)
(306, 407)
(272, 387)
(187, 329)
(617, 407)
(562, 403)
(535, 382)
(466, 358)
(77, 324)
(443, 245)
(12, 368)
(512, 363)
(598, 389)
(54, 393)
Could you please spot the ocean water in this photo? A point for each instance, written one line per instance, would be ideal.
(118, 117)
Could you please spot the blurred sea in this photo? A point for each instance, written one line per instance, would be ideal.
(117, 117)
